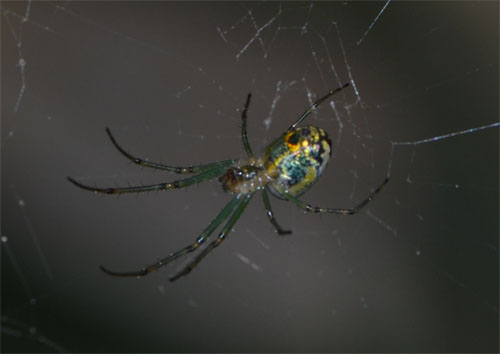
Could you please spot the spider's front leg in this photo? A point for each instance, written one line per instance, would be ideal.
(222, 236)
(205, 234)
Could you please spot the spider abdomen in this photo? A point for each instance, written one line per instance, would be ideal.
(297, 159)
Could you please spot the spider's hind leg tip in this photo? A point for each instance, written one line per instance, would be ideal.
(182, 273)
(175, 277)
(80, 185)
(108, 131)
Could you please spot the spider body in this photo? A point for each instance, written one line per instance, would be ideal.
(289, 167)
(297, 159)
(294, 162)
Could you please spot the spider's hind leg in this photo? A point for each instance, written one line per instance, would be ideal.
(315, 105)
(313, 209)
(270, 215)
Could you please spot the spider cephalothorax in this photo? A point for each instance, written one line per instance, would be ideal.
(289, 167)
(248, 178)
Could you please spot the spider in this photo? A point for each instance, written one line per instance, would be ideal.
(289, 167)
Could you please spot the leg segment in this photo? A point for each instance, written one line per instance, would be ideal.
(181, 170)
(222, 236)
(205, 234)
(270, 215)
(314, 105)
(244, 135)
(201, 177)
(312, 209)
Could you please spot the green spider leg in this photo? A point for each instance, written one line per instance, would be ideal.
(270, 214)
(244, 135)
(241, 205)
(315, 105)
(312, 209)
(201, 177)
(248, 149)
(180, 170)
(205, 234)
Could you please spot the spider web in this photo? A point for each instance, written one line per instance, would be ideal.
(416, 270)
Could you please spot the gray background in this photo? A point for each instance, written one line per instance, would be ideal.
(416, 271)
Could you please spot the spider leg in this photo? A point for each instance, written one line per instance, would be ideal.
(205, 234)
(316, 104)
(244, 135)
(180, 170)
(270, 215)
(201, 177)
(312, 209)
(222, 236)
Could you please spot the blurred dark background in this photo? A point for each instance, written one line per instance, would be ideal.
(416, 271)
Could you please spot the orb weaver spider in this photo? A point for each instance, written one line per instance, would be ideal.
(289, 167)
